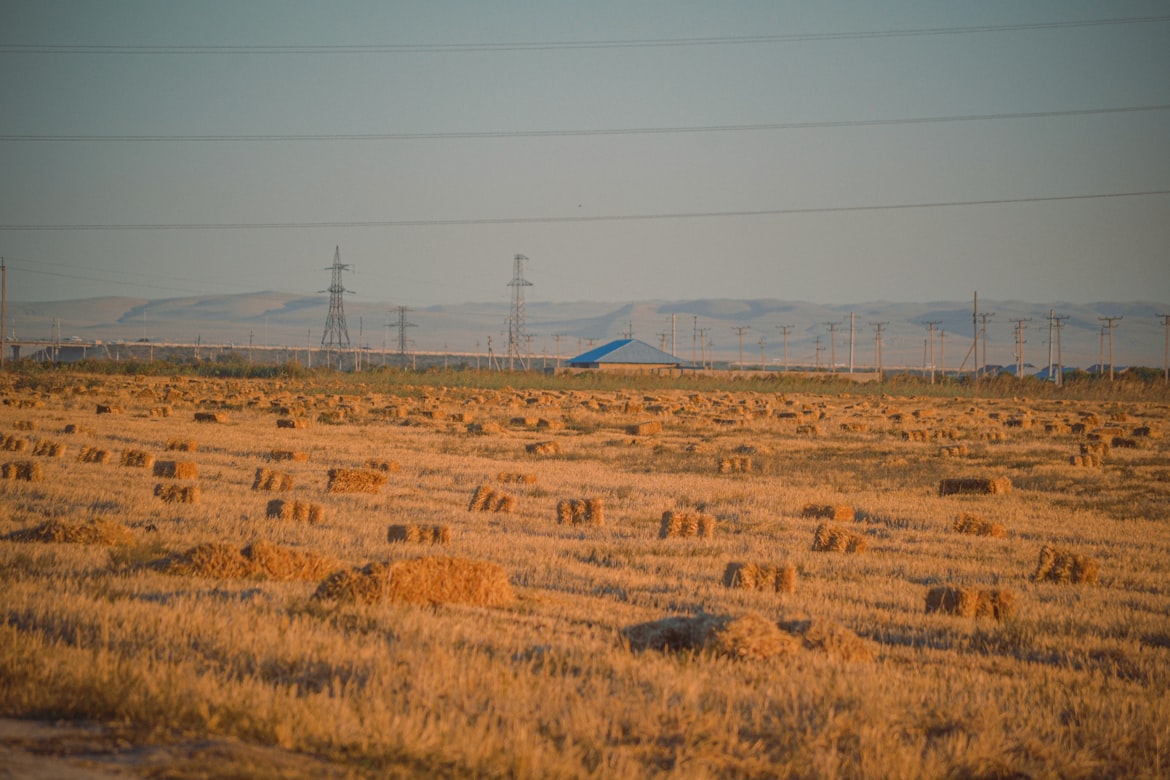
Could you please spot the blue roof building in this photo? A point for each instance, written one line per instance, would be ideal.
(626, 354)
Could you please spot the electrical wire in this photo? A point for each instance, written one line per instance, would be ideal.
(400, 223)
(490, 134)
(638, 43)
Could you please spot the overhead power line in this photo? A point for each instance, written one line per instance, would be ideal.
(765, 126)
(633, 43)
(396, 223)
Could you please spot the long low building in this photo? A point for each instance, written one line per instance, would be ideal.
(625, 355)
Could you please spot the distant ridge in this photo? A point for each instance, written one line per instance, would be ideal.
(279, 318)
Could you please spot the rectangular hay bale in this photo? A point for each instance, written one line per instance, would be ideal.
(974, 485)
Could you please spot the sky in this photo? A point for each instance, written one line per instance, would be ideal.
(831, 152)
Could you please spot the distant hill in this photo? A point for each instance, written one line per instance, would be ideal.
(277, 318)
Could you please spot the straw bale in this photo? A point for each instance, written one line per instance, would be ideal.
(268, 479)
(26, 470)
(834, 539)
(977, 526)
(992, 435)
(516, 478)
(835, 640)
(544, 448)
(211, 417)
(108, 409)
(385, 466)
(686, 524)
(182, 445)
(300, 511)
(294, 455)
(219, 561)
(286, 564)
(441, 580)
(49, 449)
(549, 424)
(420, 534)
(523, 422)
(953, 451)
(161, 411)
(1145, 431)
(735, 464)
(13, 444)
(916, 434)
(1122, 443)
(176, 469)
(488, 499)
(291, 422)
(1092, 461)
(55, 531)
(839, 512)
(808, 430)
(753, 576)
(644, 428)
(502, 502)
(137, 459)
(25, 425)
(74, 428)
(367, 585)
(581, 511)
(93, 455)
(977, 485)
(750, 636)
(595, 511)
(487, 428)
(971, 602)
(1098, 448)
(355, 481)
(177, 494)
(1056, 427)
(1062, 565)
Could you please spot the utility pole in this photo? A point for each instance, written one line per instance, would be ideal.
(931, 325)
(516, 320)
(557, 336)
(336, 335)
(763, 358)
(740, 330)
(1020, 345)
(974, 338)
(942, 354)
(402, 326)
(832, 326)
(877, 347)
(1055, 369)
(1109, 323)
(662, 339)
(1166, 350)
(703, 346)
(784, 329)
(1059, 354)
(851, 343)
(673, 333)
(694, 338)
(817, 354)
(983, 339)
(1101, 354)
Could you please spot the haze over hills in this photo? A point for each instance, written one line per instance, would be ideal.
(278, 318)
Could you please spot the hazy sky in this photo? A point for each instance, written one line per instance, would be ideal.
(504, 128)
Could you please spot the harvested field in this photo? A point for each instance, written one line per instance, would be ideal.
(355, 481)
(394, 633)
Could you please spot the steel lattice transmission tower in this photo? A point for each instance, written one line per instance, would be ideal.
(336, 335)
(516, 333)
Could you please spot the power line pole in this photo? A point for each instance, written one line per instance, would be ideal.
(850, 342)
(402, 326)
(763, 358)
(1020, 345)
(983, 339)
(336, 335)
(1166, 350)
(558, 337)
(1109, 323)
(931, 325)
(694, 338)
(1059, 353)
(740, 330)
(832, 326)
(662, 339)
(877, 347)
(817, 354)
(784, 330)
(516, 320)
(1055, 369)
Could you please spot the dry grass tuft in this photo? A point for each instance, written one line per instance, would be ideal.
(108, 409)
(752, 576)
(355, 481)
(1060, 565)
(300, 511)
(581, 511)
(177, 494)
(420, 534)
(136, 459)
(176, 469)
(834, 539)
(976, 485)
(385, 466)
(442, 580)
(182, 445)
(211, 417)
(93, 455)
(267, 479)
(686, 524)
(543, 448)
(838, 512)
(977, 526)
(55, 531)
(26, 470)
(750, 636)
(294, 455)
(488, 499)
(971, 602)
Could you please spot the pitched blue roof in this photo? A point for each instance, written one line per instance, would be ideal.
(626, 351)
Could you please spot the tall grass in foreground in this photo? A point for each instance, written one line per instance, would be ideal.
(1074, 683)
